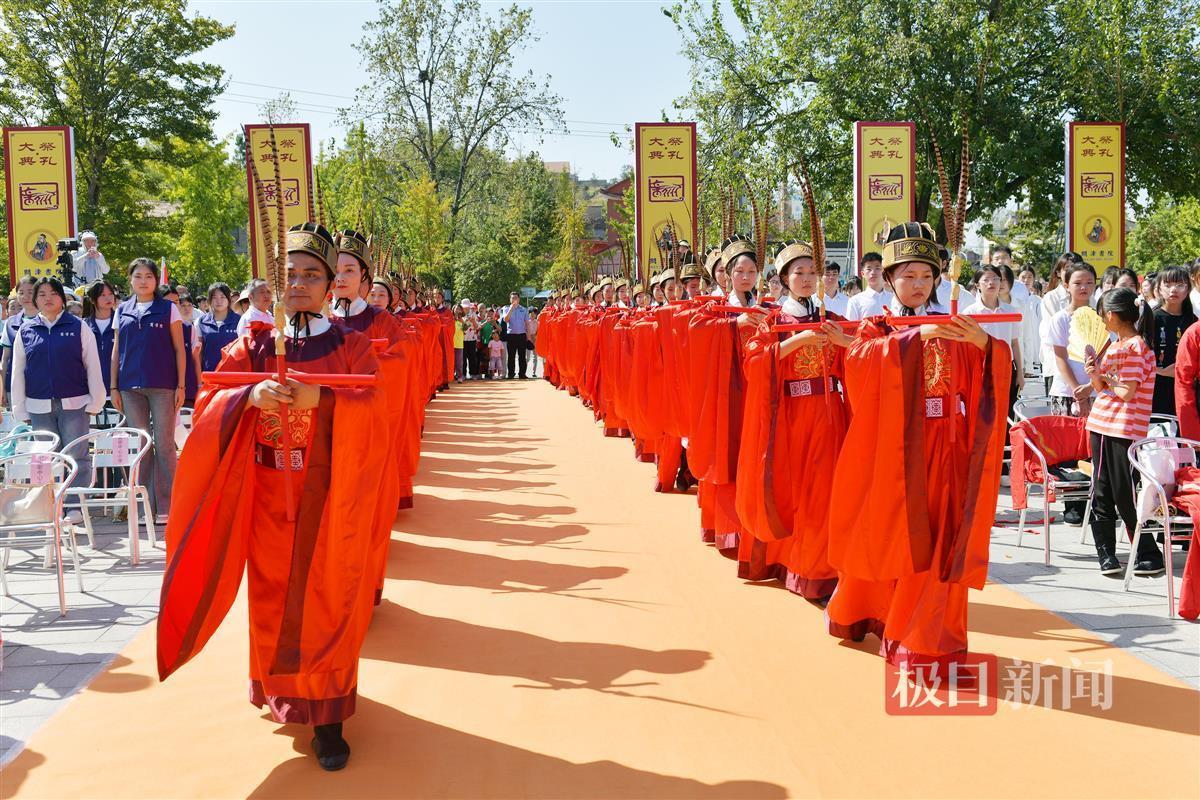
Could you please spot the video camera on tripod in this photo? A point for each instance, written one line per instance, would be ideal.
(66, 261)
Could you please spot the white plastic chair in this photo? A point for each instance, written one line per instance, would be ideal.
(122, 448)
(183, 427)
(29, 470)
(1025, 410)
(28, 442)
(107, 418)
(1177, 528)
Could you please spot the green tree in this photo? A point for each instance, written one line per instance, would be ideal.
(423, 231)
(1169, 234)
(445, 87)
(515, 208)
(123, 74)
(573, 265)
(210, 196)
(782, 77)
(487, 273)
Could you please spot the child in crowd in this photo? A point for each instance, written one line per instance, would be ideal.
(1123, 379)
(495, 356)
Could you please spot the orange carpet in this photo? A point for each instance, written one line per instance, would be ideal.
(553, 629)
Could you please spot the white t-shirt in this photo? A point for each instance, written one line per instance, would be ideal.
(1058, 333)
(1004, 331)
(868, 303)
(253, 315)
(1031, 325)
(837, 304)
(965, 298)
(1020, 294)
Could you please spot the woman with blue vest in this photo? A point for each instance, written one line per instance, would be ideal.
(218, 327)
(57, 380)
(148, 373)
(183, 302)
(12, 325)
(98, 313)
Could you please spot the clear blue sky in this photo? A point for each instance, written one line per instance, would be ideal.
(613, 62)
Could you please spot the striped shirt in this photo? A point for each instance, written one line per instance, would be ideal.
(1130, 360)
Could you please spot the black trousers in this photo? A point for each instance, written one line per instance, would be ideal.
(1113, 493)
(516, 352)
(471, 354)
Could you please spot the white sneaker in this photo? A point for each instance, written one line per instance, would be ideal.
(160, 519)
(73, 518)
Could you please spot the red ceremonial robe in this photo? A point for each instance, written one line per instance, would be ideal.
(792, 431)
(380, 326)
(311, 586)
(916, 487)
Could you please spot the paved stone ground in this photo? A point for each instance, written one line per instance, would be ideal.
(48, 658)
(1072, 587)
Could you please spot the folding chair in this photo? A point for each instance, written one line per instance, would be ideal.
(23, 473)
(122, 448)
(1146, 457)
(1030, 430)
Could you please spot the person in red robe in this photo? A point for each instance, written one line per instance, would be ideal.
(919, 473)
(792, 431)
(311, 585)
(350, 309)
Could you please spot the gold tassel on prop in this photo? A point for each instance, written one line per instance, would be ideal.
(816, 232)
(320, 198)
(954, 210)
(756, 229)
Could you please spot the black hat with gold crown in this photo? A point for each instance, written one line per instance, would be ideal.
(911, 241)
(789, 252)
(712, 259)
(311, 238)
(737, 245)
(356, 244)
(689, 269)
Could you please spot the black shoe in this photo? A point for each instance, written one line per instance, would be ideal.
(1073, 517)
(1109, 565)
(331, 749)
(1150, 567)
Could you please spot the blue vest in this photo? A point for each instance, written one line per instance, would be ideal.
(104, 343)
(13, 324)
(54, 366)
(146, 354)
(191, 381)
(216, 336)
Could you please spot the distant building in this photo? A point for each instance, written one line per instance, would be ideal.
(563, 167)
(603, 241)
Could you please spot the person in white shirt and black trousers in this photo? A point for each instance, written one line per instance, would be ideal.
(57, 380)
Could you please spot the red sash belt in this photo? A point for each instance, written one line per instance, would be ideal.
(271, 458)
(809, 387)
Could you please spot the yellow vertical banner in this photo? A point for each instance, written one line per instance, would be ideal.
(665, 158)
(295, 176)
(885, 162)
(39, 183)
(1095, 192)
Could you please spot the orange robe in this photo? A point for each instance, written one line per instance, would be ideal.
(382, 328)
(311, 586)
(916, 487)
(792, 433)
(716, 345)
